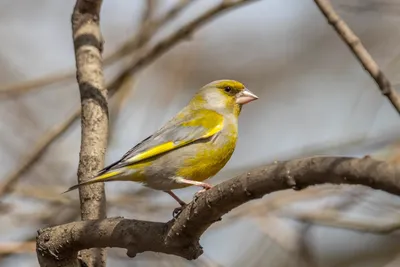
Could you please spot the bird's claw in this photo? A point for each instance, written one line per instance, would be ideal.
(177, 211)
(202, 190)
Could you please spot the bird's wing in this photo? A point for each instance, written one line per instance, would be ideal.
(180, 131)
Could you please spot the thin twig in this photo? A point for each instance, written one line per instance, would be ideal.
(51, 195)
(355, 45)
(334, 218)
(49, 137)
(17, 247)
(147, 31)
(121, 97)
(128, 47)
(10, 90)
(279, 201)
(181, 34)
(148, 12)
(123, 93)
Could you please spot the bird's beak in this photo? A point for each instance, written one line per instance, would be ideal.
(245, 97)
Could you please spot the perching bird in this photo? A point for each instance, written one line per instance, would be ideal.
(190, 148)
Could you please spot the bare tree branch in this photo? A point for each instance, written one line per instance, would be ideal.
(148, 12)
(47, 219)
(148, 30)
(17, 247)
(148, 56)
(128, 47)
(9, 90)
(120, 99)
(334, 218)
(37, 152)
(142, 38)
(181, 236)
(88, 44)
(355, 45)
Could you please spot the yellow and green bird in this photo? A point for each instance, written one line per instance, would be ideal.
(190, 148)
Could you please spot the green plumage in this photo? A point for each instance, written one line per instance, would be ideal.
(191, 147)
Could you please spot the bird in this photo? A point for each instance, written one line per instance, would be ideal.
(190, 148)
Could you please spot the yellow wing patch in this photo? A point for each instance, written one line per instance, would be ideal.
(106, 175)
(157, 150)
(211, 127)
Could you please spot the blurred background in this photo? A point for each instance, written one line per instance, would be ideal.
(315, 99)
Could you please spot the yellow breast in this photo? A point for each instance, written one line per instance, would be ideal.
(209, 157)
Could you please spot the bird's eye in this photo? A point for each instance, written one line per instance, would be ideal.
(228, 89)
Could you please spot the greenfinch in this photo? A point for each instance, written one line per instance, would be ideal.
(190, 148)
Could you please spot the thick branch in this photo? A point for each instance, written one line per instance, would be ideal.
(88, 46)
(355, 45)
(181, 236)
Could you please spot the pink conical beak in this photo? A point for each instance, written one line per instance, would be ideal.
(245, 97)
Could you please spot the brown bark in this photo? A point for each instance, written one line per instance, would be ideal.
(181, 236)
(88, 45)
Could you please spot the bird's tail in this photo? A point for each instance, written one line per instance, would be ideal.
(105, 177)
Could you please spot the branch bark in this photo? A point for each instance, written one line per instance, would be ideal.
(88, 44)
(181, 236)
(355, 45)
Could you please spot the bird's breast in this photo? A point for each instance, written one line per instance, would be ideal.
(207, 157)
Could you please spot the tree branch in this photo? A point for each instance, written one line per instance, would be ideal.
(145, 33)
(336, 219)
(88, 44)
(148, 30)
(39, 148)
(355, 45)
(181, 34)
(9, 90)
(181, 236)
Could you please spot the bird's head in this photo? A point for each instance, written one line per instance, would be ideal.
(224, 95)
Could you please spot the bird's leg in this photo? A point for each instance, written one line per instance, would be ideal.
(180, 201)
(190, 182)
(205, 188)
(177, 210)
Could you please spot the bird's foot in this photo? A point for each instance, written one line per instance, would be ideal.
(177, 211)
(205, 188)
